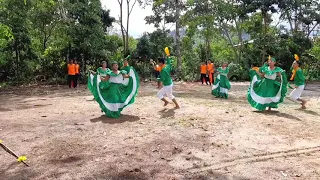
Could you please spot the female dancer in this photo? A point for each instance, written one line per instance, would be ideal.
(222, 84)
(116, 90)
(102, 71)
(270, 90)
(299, 82)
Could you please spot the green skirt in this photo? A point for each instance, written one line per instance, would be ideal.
(114, 97)
(221, 86)
(264, 93)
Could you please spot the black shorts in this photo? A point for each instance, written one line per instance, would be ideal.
(157, 74)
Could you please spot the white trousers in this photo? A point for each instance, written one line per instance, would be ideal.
(296, 93)
(166, 91)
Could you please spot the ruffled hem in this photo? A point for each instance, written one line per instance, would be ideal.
(118, 106)
(218, 94)
(262, 107)
(219, 91)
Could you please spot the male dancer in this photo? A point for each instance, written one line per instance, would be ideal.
(167, 82)
(299, 82)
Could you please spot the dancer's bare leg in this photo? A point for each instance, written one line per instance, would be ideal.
(176, 103)
(303, 103)
(165, 101)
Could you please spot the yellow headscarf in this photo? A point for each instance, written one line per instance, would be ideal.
(294, 71)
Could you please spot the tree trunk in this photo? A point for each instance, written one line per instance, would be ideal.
(207, 48)
(127, 30)
(83, 68)
(239, 30)
(265, 35)
(223, 29)
(121, 24)
(177, 17)
(289, 20)
(17, 62)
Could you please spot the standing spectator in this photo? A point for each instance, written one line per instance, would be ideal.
(203, 71)
(71, 73)
(210, 71)
(77, 73)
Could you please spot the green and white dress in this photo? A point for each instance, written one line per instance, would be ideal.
(268, 91)
(221, 85)
(100, 71)
(115, 94)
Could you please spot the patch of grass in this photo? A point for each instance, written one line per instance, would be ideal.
(3, 85)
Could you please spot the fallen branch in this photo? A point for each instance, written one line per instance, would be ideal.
(19, 158)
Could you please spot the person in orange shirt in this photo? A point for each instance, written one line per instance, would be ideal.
(210, 71)
(71, 73)
(203, 71)
(157, 69)
(77, 71)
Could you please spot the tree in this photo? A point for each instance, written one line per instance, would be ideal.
(106, 19)
(86, 30)
(168, 11)
(125, 29)
(44, 19)
(223, 16)
(143, 47)
(13, 14)
(158, 40)
(302, 15)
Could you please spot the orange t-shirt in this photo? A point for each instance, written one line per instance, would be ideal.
(161, 67)
(211, 68)
(71, 69)
(203, 69)
(77, 68)
(158, 68)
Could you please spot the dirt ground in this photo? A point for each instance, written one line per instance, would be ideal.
(65, 136)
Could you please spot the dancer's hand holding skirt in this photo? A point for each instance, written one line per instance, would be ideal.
(268, 91)
(117, 93)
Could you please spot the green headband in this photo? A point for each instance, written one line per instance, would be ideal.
(273, 59)
(114, 62)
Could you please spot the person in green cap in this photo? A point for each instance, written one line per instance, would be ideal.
(116, 90)
(167, 82)
(270, 90)
(299, 82)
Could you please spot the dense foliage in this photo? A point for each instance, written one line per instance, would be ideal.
(38, 37)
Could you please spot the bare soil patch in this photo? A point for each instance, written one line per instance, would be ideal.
(65, 136)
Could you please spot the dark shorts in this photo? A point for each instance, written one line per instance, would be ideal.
(157, 74)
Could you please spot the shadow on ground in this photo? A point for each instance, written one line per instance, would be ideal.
(308, 112)
(279, 114)
(123, 118)
(167, 113)
(140, 175)
(21, 172)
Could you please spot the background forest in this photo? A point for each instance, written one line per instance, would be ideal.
(38, 37)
